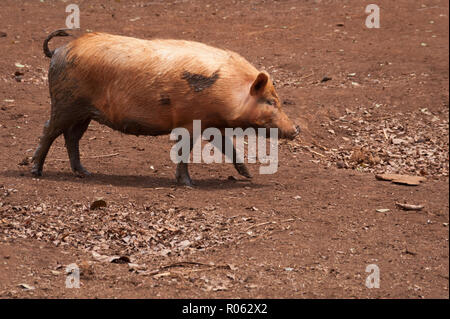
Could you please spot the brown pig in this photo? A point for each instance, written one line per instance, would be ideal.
(149, 87)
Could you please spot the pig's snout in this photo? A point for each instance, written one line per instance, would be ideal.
(287, 128)
(296, 131)
(292, 133)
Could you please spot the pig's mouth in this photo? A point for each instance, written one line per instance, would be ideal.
(291, 134)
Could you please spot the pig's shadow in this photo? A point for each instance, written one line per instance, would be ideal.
(138, 181)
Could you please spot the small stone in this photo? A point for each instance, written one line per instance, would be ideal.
(398, 141)
(136, 267)
(341, 164)
(184, 244)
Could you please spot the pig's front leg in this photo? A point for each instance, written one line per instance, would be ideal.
(241, 168)
(182, 172)
(182, 175)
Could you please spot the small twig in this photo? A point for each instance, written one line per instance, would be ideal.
(271, 222)
(201, 269)
(307, 76)
(186, 263)
(106, 155)
(314, 152)
(261, 224)
(425, 8)
(385, 134)
(90, 157)
(320, 146)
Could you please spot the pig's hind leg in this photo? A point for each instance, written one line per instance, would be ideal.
(73, 126)
(72, 136)
(50, 133)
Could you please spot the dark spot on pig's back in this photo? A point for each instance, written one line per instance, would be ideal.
(199, 82)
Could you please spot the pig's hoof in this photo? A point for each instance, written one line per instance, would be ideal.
(36, 172)
(81, 173)
(243, 170)
(190, 184)
(186, 181)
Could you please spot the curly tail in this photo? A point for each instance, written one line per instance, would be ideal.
(57, 33)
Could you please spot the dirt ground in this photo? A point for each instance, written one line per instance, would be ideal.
(368, 101)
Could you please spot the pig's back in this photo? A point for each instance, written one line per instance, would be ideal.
(157, 56)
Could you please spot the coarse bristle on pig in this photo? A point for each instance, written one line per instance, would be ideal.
(149, 87)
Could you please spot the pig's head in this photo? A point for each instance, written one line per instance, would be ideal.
(264, 108)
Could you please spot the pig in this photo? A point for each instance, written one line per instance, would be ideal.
(149, 87)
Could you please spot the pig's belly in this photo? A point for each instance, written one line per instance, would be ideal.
(130, 125)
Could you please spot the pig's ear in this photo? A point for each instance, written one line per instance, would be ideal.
(259, 84)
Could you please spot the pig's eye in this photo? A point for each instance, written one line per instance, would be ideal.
(266, 101)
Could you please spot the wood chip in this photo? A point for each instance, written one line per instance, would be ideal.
(26, 287)
(409, 206)
(163, 274)
(401, 179)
